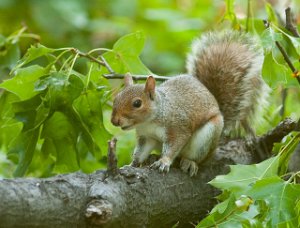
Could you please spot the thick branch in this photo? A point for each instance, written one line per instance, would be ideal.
(136, 197)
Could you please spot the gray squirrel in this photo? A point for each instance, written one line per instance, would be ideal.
(186, 115)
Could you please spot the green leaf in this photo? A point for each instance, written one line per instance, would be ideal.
(273, 72)
(230, 214)
(131, 44)
(125, 55)
(297, 208)
(295, 42)
(62, 90)
(219, 213)
(9, 53)
(269, 37)
(88, 109)
(241, 177)
(59, 132)
(272, 17)
(23, 147)
(22, 84)
(281, 197)
(31, 112)
(48, 149)
(35, 52)
(9, 127)
(286, 150)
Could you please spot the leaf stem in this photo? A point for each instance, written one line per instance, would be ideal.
(89, 75)
(59, 56)
(73, 63)
(65, 63)
(99, 49)
(15, 37)
(30, 35)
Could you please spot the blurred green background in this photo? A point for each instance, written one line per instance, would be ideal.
(169, 27)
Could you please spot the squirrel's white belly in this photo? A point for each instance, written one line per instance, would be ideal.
(152, 130)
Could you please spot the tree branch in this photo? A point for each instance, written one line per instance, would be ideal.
(136, 197)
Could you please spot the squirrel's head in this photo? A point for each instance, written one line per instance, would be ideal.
(133, 105)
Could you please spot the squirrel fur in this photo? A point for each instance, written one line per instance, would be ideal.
(186, 115)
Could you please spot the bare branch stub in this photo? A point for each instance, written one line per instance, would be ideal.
(112, 161)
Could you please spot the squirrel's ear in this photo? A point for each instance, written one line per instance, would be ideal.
(150, 87)
(128, 80)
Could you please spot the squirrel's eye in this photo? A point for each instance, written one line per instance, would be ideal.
(137, 103)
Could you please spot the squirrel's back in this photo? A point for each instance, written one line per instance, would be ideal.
(229, 64)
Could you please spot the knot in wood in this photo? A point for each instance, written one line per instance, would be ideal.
(98, 211)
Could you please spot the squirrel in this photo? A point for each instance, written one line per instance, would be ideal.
(186, 115)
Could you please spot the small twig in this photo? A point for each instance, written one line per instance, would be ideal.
(289, 24)
(286, 57)
(88, 56)
(135, 77)
(288, 61)
(112, 161)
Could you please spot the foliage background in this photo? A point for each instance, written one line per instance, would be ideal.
(169, 27)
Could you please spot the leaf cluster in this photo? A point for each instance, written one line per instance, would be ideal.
(53, 113)
(259, 195)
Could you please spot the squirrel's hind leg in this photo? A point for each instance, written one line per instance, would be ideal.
(203, 143)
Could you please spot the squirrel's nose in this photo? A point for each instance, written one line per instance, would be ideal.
(115, 121)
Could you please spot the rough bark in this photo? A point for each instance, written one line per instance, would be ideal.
(131, 197)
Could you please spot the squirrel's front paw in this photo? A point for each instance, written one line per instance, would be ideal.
(163, 165)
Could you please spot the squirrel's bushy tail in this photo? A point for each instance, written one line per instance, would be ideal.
(229, 64)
